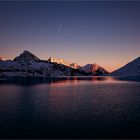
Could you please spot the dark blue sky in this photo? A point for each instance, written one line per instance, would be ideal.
(107, 33)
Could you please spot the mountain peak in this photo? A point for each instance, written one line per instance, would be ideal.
(26, 58)
(94, 69)
(26, 52)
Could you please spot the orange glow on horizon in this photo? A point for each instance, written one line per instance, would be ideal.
(112, 68)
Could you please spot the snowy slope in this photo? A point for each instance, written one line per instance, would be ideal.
(130, 69)
(10, 65)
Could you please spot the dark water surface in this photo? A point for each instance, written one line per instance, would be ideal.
(70, 107)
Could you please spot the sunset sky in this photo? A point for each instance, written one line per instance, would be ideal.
(106, 33)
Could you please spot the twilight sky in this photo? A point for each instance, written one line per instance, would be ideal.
(106, 33)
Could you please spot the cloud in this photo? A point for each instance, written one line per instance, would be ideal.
(60, 27)
(72, 28)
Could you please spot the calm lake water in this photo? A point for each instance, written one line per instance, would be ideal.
(70, 107)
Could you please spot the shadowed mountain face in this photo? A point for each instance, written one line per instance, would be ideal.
(26, 58)
(130, 69)
(28, 65)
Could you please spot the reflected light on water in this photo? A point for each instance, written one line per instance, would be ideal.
(86, 80)
(66, 81)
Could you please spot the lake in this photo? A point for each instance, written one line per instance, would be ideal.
(70, 107)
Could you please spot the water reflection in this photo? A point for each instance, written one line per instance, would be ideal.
(70, 107)
(65, 80)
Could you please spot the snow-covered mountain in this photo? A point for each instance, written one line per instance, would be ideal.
(130, 69)
(94, 69)
(90, 69)
(27, 64)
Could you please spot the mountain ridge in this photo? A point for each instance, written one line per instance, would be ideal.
(132, 68)
(88, 68)
(27, 64)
